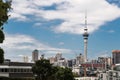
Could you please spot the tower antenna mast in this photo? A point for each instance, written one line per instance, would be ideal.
(86, 19)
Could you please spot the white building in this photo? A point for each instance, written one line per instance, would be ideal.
(58, 56)
(76, 69)
(79, 59)
(16, 70)
(86, 78)
(52, 60)
(111, 74)
(25, 59)
(61, 62)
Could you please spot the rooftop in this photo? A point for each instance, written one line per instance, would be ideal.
(116, 51)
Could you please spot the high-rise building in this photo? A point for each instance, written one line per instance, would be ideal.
(107, 60)
(69, 63)
(35, 55)
(85, 36)
(25, 58)
(62, 62)
(58, 56)
(79, 59)
(116, 56)
(52, 60)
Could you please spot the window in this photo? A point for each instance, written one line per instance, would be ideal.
(101, 75)
(22, 70)
(2, 70)
(11, 70)
(19, 70)
(6, 70)
(15, 70)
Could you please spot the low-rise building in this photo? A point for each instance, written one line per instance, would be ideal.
(76, 69)
(86, 78)
(110, 74)
(16, 70)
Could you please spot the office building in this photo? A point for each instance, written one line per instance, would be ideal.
(25, 59)
(116, 56)
(79, 59)
(52, 60)
(35, 55)
(69, 63)
(58, 56)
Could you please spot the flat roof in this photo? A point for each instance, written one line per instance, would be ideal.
(116, 51)
(16, 64)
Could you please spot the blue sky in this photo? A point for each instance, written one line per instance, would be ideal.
(56, 26)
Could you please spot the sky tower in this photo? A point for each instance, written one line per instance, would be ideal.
(85, 36)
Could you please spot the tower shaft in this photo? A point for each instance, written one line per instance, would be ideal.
(85, 49)
(85, 36)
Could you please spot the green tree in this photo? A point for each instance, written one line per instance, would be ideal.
(5, 6)
(1, 55)
(42, 69)
(76, 75)
(64, 74)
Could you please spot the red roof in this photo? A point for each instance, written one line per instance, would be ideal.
(93, 65)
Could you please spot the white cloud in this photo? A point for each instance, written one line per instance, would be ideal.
(111, 31)
(37, 24)
(103, 54)
(72, 12)
(19, 17)
(17, 45)
(61, 43)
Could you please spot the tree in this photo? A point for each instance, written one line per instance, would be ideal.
(64, 74)
(42, 69)
(1, 55)
(4, 9)
(5, 6)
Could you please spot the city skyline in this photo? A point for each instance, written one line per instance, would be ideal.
(56, 26)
